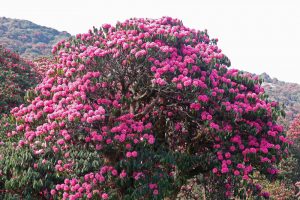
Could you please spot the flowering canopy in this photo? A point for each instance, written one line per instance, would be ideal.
(135, 110)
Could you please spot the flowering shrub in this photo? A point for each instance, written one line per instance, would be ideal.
(137, 111)
(42, 64)
(294, 129)
(16, 76)
(284, 186)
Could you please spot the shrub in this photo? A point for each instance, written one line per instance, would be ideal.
(138, 111)
(16, 76)
(294, 129)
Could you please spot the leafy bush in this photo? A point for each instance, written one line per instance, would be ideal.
(43, 64)
(284, 187)
(16, 76)
(142, 110)
(294, 130)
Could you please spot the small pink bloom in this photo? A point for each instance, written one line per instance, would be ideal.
(134, 154)
(114, 172)
(155, 192)
(215, 170)
(236, 173)
(53, 192)
(227, 155)
(123, 174)
(60, 142)
(128, 154)
(224, 170)
(104, 196)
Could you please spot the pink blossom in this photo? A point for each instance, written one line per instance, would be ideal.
(128, 154)
(155, 192)
(134, 154)
(236, 173)
(215, 170)
(123, 174)
(104, 196)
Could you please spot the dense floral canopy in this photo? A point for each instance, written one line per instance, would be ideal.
(134, 111)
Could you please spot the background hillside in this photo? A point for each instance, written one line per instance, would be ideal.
(285, 93)
(28, 39)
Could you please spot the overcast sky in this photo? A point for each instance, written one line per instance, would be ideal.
(257, 35)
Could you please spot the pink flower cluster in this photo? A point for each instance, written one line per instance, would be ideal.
(94, 184)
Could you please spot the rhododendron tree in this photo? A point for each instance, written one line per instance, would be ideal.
(143, 110)
(16, 76)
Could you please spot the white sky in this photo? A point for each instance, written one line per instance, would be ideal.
(257, 35)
